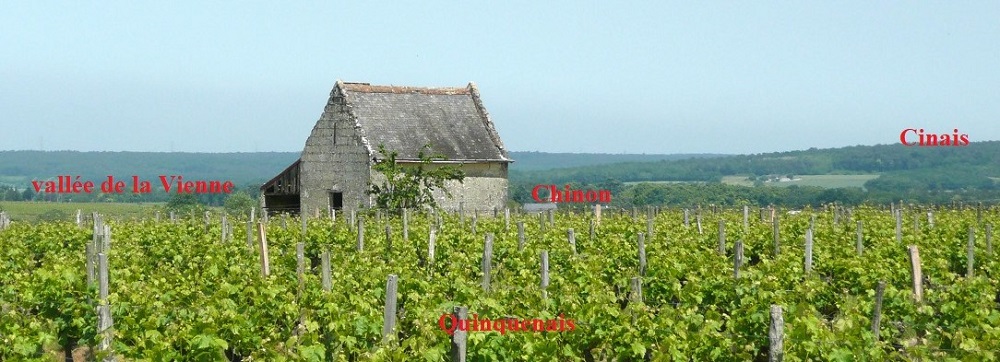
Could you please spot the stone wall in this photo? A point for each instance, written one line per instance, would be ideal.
(334, 159)
(484, 187)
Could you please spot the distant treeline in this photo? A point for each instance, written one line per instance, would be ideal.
(241, 168)
(969, 165)
(9, 193)
(915, 174)
(688, 194)
(919, 174)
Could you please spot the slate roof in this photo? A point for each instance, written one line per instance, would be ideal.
(452, 120)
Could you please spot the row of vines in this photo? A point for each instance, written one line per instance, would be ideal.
(178, 291)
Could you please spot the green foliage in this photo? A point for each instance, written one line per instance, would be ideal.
(407, 187)
(27, 195)
(185, 204)
(30, 211)
(9, 193)
(53, 215)
(178, 293)
(239, 203)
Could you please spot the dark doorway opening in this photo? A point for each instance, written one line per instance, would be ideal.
(336, 200)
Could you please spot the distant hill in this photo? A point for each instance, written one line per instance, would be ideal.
(983, 158)
(979, 159)
(18, 168)
(892, 171)
(535, 161)
(882, 173)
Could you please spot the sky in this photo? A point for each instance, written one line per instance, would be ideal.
(653, 77)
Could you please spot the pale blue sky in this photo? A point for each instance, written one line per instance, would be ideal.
(656, 77)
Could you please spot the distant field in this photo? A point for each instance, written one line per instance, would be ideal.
(825, 181)
(30, 211)
(536, 161)
(663, 182)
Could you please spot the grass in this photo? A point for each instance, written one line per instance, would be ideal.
(825, 181)
(34, 211)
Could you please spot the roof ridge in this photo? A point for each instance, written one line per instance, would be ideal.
(394, 89)
(487, 121)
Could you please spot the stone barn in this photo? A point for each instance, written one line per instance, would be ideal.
(335, 167)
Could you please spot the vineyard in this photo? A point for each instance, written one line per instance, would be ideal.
(700, 284)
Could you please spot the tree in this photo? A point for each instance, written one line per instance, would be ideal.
(239, 203)
(184, 203)
(10, 194)
(28, 195)
(411, 186)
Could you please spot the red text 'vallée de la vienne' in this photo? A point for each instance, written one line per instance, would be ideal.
(75, 185)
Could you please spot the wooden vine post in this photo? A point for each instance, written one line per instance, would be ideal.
(406, 226)
(746, 217)
(487, 265)
(104, 320)
(545, 273)
(915, 274)
(389, 313)
(265, 259)
(506, 219)
(591, 231)
(460, 337)
(361, 234)
(636, 286)
(722, 237)
(809, 251)
(776, 335)
(877, 314)
(571, 237)
(697, 218)
(388, 242)
(300, 263)
(737, 259)
(899, 226)
(642, 255)
(989, 239)
(520, 235)
(971, 254)
(860, 244)
(777, 235)
(431, 240)
(327, 283)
